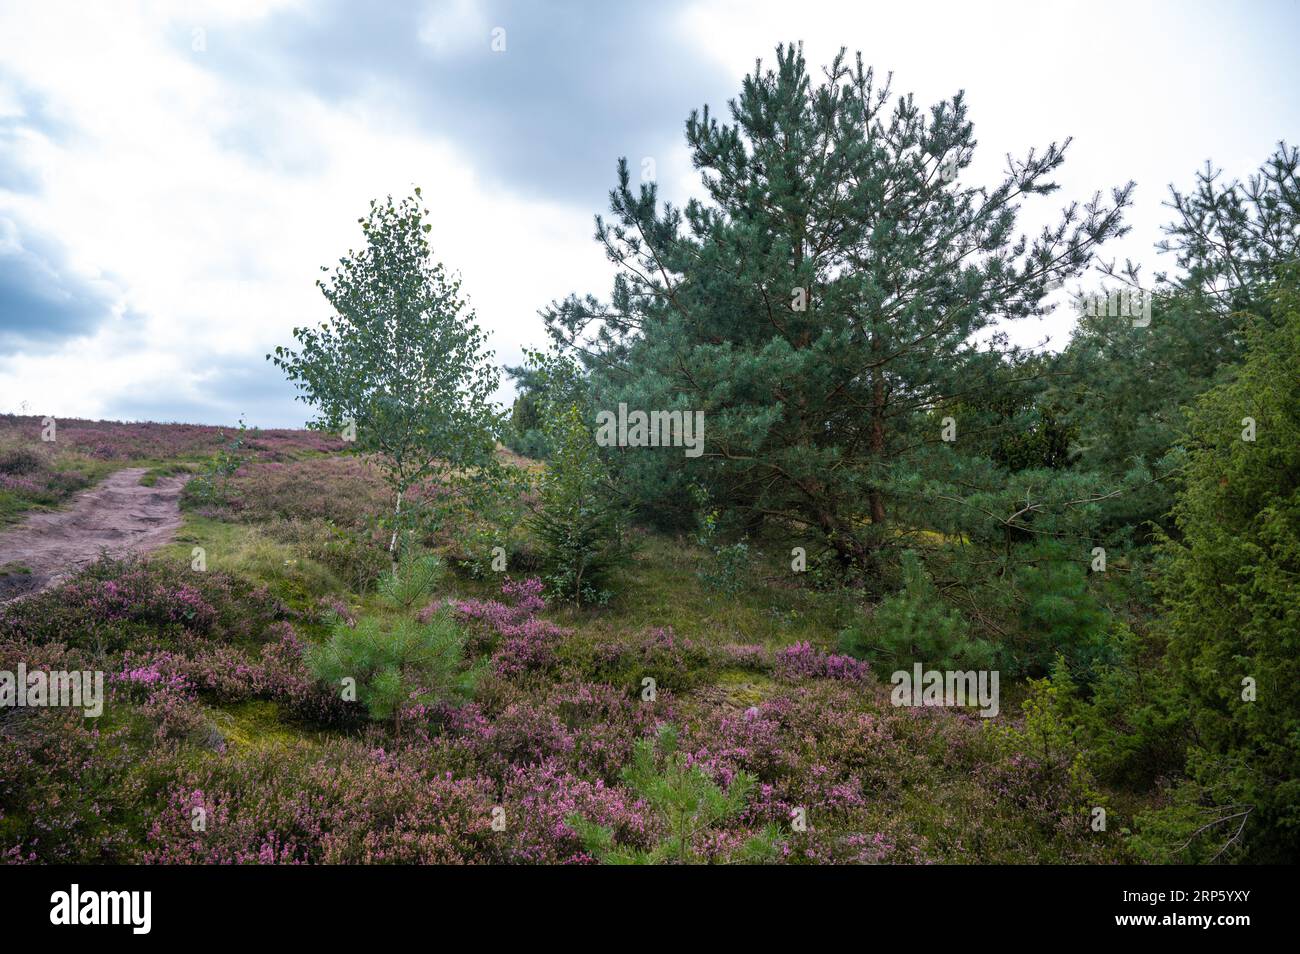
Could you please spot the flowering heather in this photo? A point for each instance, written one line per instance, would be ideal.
(673, 661)
(223, 673)
(334, 608)
(745, 656)
(118, 602)
(137, 597)
(524, 600)
(525, 642)
(150, 676)
(589, 728)
(117, 440)
(214, 708)
(344, 490)
(65, 790)
(168, 702)
(542, 797)
(28, 475)
(343, 803)
(544, 754)
(802, 661)
(24, 485)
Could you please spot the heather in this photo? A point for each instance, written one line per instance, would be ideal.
(214, 705)
(147, 440)
(480, 701)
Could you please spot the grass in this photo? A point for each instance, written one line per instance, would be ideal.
(662, 588)
(170, 469)
(245, 550)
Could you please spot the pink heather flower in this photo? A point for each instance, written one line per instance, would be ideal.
(526, 642)
(802, 661)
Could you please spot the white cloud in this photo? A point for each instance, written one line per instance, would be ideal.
(219, 247)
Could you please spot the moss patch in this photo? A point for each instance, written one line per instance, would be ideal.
(255, 726)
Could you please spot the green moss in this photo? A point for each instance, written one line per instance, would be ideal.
(254, 726)
(743, 688)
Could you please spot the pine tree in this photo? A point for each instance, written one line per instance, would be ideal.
(578, 523)
(824, 298)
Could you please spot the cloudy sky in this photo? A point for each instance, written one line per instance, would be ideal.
(173, 175)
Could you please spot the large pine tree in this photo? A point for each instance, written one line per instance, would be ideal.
(825, 299)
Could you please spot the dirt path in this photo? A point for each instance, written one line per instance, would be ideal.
(118, 515)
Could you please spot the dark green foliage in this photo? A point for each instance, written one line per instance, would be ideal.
(578, 524)
(1059, 616)
(1135, 722)
(1123, 384)
(411, 581)
(917, 625)
(1230, 587)
(1123, 387)
(546, 383)
(1046, 444)
(1230, 237)
(823, 301)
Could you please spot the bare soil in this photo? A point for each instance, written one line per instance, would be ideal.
(118, 516)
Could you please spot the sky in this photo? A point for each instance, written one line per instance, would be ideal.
(174, 175)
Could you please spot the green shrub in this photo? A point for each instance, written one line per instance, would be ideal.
(1058, 616)
(474, 546)
(726, 569)
(1234, 620)
(578, 525)
(396, 664)
(212, 486)
(1047, 748)
(1136, 724)
(916, 625)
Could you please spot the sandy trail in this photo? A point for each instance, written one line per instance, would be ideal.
(118, 515)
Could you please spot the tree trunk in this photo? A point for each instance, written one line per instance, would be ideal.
(848, 549)
(392, 543)
(877, 433)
